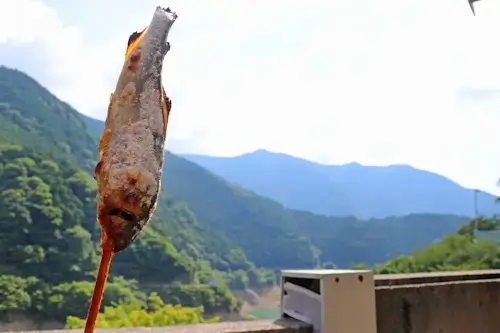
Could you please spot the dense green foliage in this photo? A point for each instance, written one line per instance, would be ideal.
(344, 241)
(55, 124)
(42, 300)
(44, 229)
(263, 228)
(459, 251)
(154, 313)
(47, 230)
(31, 116)
(453, 253)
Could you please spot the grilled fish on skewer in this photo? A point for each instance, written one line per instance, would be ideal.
(131, 149)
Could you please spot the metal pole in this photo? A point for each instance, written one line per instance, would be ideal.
(474, 225)
(475, 203)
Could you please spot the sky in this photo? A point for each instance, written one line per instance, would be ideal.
(376, 82)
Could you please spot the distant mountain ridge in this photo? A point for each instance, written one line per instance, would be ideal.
(268, 232)
(350, 189)
(205, 217)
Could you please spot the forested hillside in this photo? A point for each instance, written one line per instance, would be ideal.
(51, 116)
(30, 115)
(50, 237)
(49, 247)
(207, 235)
(275, 237)
(459, 251)
(344, 241)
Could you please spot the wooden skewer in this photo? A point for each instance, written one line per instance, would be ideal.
(100, 283)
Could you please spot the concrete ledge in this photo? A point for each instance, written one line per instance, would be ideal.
(438, 277)
(447, 302)
(257, 326)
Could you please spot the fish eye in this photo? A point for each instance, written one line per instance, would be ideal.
(127, 216)
(123, 214)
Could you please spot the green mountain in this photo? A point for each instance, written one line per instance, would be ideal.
(49, 246)
(30, 115)
(275, 237)
(347, 240)
(351, 189)
(264, 229)
(61, 132)
(50, 237)
(460, 251)
(206, 229)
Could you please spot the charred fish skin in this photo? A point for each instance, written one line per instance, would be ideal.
(131, 149)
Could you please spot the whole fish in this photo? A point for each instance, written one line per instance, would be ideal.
(131, 149)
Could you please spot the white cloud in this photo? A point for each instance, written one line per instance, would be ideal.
(376, 82)
(74, 67)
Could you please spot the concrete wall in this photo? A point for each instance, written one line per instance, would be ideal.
(454, 306)
(258, 326)
(459, 302)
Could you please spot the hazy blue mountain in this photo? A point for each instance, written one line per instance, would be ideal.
(200, 214)
(350, 189)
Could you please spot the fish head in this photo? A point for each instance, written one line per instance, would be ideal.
(124, 214)
(146, 50)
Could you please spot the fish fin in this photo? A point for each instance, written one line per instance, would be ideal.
(104, 140)
(111, 102)
(133, 40)
(166, 105)
(97, 169)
